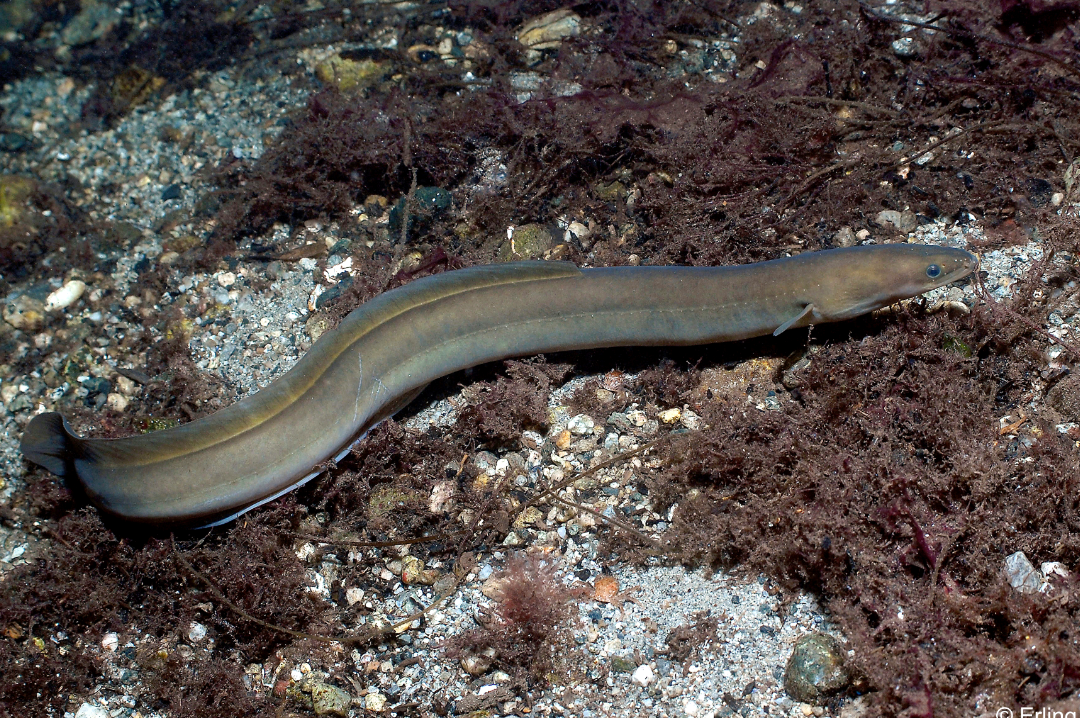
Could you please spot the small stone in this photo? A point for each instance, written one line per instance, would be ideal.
(428, 204)
(644, 677)
(691, 420)
(816, 669)
(86, 710)
(844, 238)
(563, 440)
(528, 241)
(610, 192)
(550, 29)
(670, 416)
(65, 296)
(1021, 574)
(226, 279)
(581, 424)
(110, 641)
(197, 632)
(354, 595)
(442, 495)
(116, 402)
(413, 572)
(691, 708)
(512, 539)
(624, 665)
(375, 702)
(349, 75)
(530, 516)
(25, 313)
(125, 386)
(476, 665)
(903, 222)
(904, 47)
(329, 700)
(579, 230)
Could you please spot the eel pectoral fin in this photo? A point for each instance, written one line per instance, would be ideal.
(49, 442)
(809, 309)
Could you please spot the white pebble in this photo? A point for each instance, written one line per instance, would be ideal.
(691, 708)
(354, 595)
(375, 702)
(226, 279)
(86, 710)
(110, 641)
(117, 402)
(65, 296)
(581, 424)
(197, 632)
(643, 676)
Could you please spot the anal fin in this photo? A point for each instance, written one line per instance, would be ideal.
(809, 309)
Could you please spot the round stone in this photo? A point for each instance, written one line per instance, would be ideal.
(816, 669)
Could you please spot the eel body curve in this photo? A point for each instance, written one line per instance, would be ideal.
(386, 351)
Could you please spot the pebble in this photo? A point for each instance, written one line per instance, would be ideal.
(581, 424)
(547, 31)
(670, 416)
(1022, 575)
(109, 641)
(529, 241)
(901, 221)
(375, 702)
(816, 669)
(88, 710)
(24, 312)
(328, 700)
(65, 296)
(643, 676)
(413, 572)
(197, 632)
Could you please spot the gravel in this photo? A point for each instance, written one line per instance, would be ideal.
(253, 328)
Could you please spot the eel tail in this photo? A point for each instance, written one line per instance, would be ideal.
(49, 442)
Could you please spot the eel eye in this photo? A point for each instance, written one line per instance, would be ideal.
(933, 271)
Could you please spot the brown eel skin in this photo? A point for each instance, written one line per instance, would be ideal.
(385, 352)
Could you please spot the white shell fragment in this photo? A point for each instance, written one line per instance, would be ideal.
(66, 295)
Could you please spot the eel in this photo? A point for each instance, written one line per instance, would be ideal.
(384, 353)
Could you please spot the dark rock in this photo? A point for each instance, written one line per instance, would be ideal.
(13, 142)
(1039, 191)
(171, 192)
(429, 203)
(98, 391)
